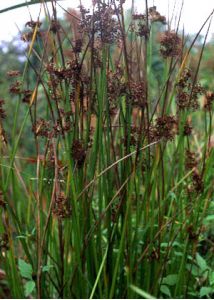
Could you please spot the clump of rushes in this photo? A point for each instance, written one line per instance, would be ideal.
(107, 174)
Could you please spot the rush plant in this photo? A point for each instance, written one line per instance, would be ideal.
(106, 177)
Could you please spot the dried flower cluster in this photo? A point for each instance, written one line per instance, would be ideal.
(209, 100)
(135, 131)
(61, 207)
(116, 88)
(103, 24)
(170, 44)
(187, 131)
(188, 92)
(13, 73)
(2, 202)
(166, 127)
(78, 153)
(4, 242)
(2, 110)
(138, 93)
(41, 128)
(192, 163)
(71, 71)
(55, 26)
(27, 36)
(15, 88)
(143, 25)
(155, 16)
(197, 181)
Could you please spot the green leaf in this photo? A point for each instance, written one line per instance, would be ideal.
(209, 218)
(193, 269)
(170, 279)
(29, 287)
(140, 292)
(165, 290)
(211, 278)
(46, 268)
(204, 291)
(25, 269)
(201, 262)
(21, 237)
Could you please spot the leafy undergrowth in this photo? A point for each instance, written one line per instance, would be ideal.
(106, 174)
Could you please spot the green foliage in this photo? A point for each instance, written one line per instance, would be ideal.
(25, 269)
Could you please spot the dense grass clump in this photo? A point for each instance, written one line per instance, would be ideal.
(106, 174)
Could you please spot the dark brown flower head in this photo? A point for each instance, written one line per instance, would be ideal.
(61, 207)
(3, 135)
(138, 93)
(41, 128)
(193, 234)
(155, 16)
(116, 85)
(26, 96)
(185, 78)
(13, 73)
(166, 127)
(209, 100)
(4, 242)
(197, 181)
(138, 17)
(188, 92)
(27, 37)
(15, 88)
(78, 152)
(2, 110)
(2, 202)
(71, 71)
(78, 46)
(105, 24)
(187, 129)
(190, 160)
(151, 133)
(170, 44)
(143, 30)
(134, 135)
(32, 24)
(65, 120)
(55, 26)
